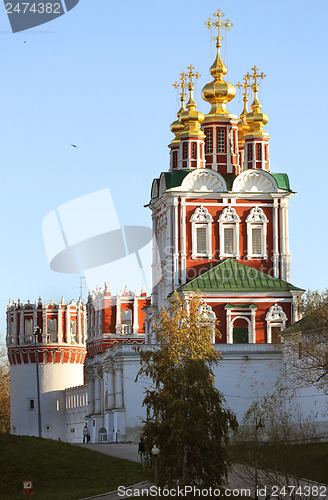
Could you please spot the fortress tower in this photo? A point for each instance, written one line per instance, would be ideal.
(61, 354)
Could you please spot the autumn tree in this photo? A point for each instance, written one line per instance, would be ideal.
(306, 343)
(4, 391)
(187, 417)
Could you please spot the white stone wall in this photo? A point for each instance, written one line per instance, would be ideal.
(54, 378)
(76, 403)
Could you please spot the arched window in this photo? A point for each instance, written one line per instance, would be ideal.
(126, 321)
(201, 233)
(209, 314)
(257, 234)
(229, 233)
(276, 322)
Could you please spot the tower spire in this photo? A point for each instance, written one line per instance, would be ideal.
(220, 127)
(218, 93)
(191, 119)
(255, 119)
(256, 139)
(177, 127)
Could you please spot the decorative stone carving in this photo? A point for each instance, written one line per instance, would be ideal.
(255, 182)
(205, 181)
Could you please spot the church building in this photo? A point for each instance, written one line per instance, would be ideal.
(220, 220)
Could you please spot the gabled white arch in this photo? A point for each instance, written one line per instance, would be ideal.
(255, 181)
(204, 180)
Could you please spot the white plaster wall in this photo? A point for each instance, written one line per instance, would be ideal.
(53, 380)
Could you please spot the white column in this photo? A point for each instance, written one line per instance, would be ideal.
(253, 332)
(100, 313)
(135, 316)
(118, 314)
(118, 387)
(78, 323)
(21, 328)
(97, 394)
(282, 241)
(111, 390)
(287, 242)
(275, 240)
(176, 242)
(44, 325)
(91, 395)
(68, 324)
(60, 325)
(254, 155)
(84, 320)
(168, 248)
(229, 327)
(183, 241)
(15, 326)
(269, 333)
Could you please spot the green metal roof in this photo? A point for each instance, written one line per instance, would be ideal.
(240, 306)
(282, 181)
(175, 178)
(233, 276)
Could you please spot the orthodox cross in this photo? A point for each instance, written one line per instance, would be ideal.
(255, 76)
(245, 85)
(191, 76)
(182, 85)
(219, 24)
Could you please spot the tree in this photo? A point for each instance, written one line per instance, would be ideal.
(306, 343)
(269, 428)
(4, 391)
(187, 417)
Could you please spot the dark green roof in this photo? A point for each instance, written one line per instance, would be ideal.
(175, 178)
(233, 276)
(282, 181)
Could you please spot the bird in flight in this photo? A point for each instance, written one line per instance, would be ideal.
(73, 146)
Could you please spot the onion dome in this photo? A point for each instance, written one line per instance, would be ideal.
(255, 119)
(243, 126)
(177, 127)
(191, 119)
(218, 92)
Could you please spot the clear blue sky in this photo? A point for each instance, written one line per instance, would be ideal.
(101, 77)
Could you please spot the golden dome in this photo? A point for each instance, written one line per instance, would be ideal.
(242, 125)
(177, 127)
(191, 119)
(218, 92)
(255, 119)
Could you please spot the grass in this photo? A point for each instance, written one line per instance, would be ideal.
(306, 460)
(59, 471)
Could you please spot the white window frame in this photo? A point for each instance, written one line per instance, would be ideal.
(257, 219)
(275, 318)
(229, 219)
(201, 218)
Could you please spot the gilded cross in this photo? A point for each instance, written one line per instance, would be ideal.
(219, 24)
(255, 76)
(191, 76)
(245, 85)
(181, 85)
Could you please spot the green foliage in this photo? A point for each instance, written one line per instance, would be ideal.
(59, 470)
(306, 343)
(4, 391)
(279, 419)
(187, 417)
